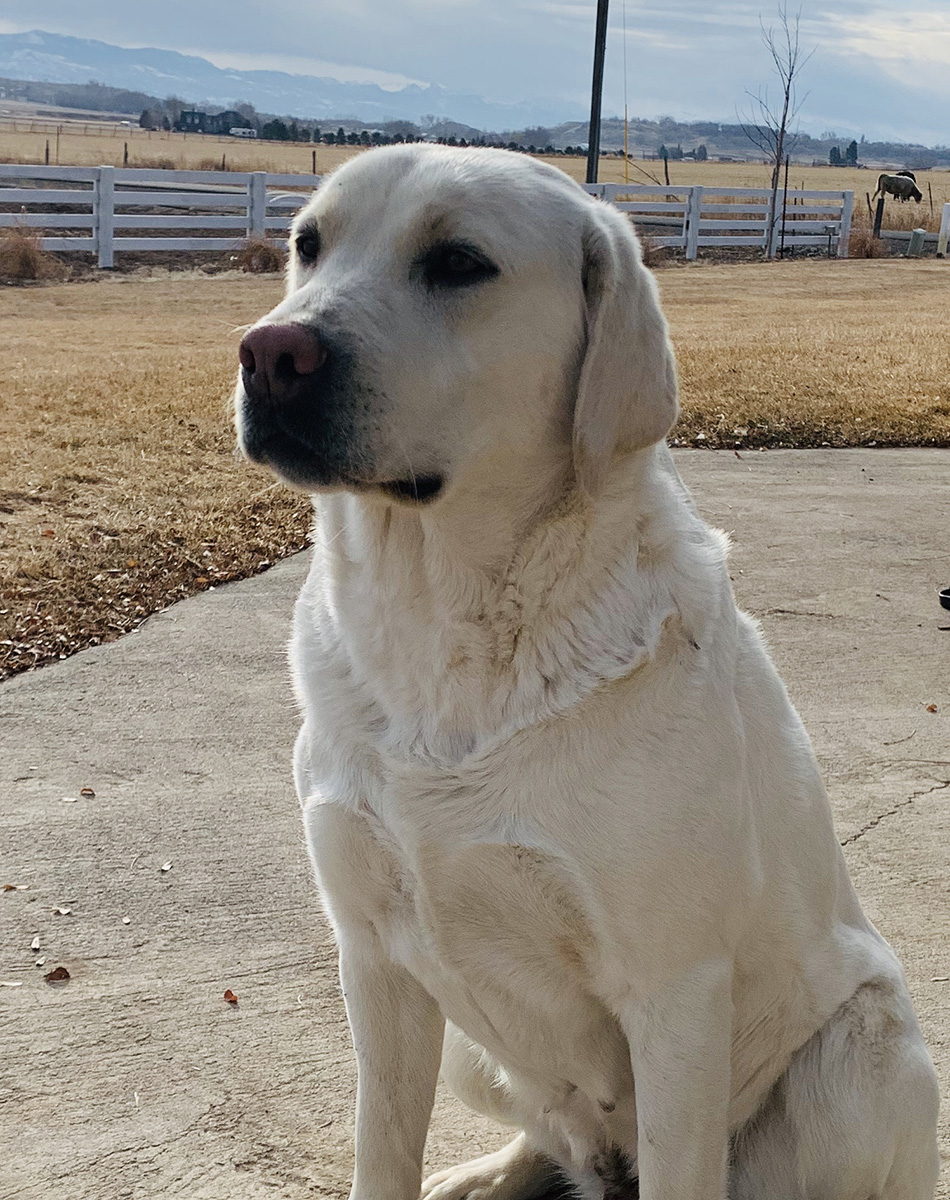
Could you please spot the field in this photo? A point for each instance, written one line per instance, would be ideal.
(95, 144)
(121, 492)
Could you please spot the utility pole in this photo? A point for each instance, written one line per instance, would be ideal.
(596, 95)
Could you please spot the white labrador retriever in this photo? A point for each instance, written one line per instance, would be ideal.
(567, 826)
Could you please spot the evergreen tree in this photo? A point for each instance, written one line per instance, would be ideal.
(851, 154)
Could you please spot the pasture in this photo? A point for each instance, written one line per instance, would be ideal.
(122, 494)
(96, 144)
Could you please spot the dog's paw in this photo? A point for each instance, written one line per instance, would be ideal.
(514, 1173)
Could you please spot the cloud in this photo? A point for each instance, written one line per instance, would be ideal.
(301, 65)
(877, 68)
(907, 37)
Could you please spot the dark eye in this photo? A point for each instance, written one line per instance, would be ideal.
(455, 264)
(307, 246)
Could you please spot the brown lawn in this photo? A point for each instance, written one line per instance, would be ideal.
(120, 490)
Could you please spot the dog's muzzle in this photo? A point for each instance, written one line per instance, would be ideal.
(295, 406)
(300, 407)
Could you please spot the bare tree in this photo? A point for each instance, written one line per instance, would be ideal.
(767, 121)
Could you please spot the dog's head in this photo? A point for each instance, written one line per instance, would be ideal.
(447, 309)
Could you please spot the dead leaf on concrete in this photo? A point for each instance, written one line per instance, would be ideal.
(15, 887)
(230, 997)
(931, 708)
(57, 975)
(86, 791)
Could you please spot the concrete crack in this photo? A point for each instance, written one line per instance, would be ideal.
(796, 612)
(891, 812)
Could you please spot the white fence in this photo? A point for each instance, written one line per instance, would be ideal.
(944, 235)
(105, 210)
(690, 218)
(108, 210)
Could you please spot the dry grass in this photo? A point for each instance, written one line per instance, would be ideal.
(260, 256)
(813, 353)
(25, 142)
(863, 244)
(23, 259)
(121, 492)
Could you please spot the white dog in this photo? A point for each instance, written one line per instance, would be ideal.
(563, 815)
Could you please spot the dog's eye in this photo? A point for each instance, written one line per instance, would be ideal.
(454, 264)
(307, 246)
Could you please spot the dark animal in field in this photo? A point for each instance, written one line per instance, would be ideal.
(907, 175)
(903, 185)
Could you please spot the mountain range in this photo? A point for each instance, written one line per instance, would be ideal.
(59, 59)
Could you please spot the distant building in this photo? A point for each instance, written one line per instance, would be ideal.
(192, 121)
(229, 122)
(224, 122)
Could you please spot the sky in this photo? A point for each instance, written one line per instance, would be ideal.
(879, 68)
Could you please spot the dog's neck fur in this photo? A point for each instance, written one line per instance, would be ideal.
(458, 648)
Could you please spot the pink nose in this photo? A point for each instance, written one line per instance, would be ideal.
(274, 357)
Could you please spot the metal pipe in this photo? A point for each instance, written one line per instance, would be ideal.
(597, 91)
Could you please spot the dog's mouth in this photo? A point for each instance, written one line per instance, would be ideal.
(420, 489)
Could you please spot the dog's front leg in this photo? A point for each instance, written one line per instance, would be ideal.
(397, 1034)
(680, 1042)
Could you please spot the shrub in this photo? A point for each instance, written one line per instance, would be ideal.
(863, 245)
(260, 255)
(654, 255)
(23, 258)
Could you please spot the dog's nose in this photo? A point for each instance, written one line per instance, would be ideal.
(274, 358)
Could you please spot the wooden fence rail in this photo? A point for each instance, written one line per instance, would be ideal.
(214, 210)
(100, 210)
(691, 218)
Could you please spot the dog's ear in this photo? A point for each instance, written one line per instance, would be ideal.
(627, 396)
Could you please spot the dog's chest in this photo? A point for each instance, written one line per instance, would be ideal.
(494, 925)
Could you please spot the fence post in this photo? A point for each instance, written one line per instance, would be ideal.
(776, 219)
(944, 235)
(103, 216)
(878, 218)
(694, 207)
(844, 232)
(257, 204)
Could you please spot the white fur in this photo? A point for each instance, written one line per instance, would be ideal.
(560, 807)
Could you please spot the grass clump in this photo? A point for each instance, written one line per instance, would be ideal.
(863, 244)
(23, 259)
(260, 256)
